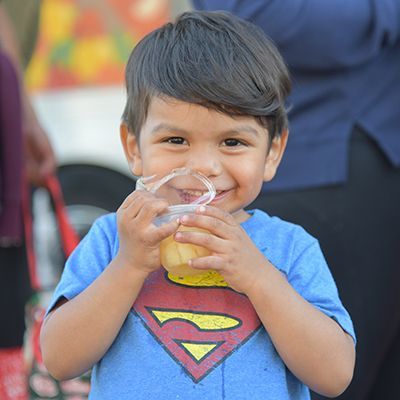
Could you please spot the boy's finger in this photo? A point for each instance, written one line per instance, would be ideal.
(162, 232)
(132, 197)
(135, 202)
(150, 209)
(210, 262)
(204, 239)
(216, 213)
(212, 224)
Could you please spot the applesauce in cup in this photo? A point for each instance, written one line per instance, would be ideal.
(174, 255)
(177, 187)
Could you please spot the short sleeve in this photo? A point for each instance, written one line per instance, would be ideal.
(310, 276)
(88, 260)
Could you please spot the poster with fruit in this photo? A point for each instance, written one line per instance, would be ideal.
(87, 42)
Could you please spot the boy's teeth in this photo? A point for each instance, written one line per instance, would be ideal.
(194, 192)
(198, 192)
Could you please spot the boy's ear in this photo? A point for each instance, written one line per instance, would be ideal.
(274, 155)
(131, 149)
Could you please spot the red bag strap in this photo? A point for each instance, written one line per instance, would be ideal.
(69, 238)
(30, 252)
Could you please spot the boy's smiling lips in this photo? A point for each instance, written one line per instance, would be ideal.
(220, 195)
(190, 195)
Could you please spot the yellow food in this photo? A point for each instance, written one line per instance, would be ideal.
(175, 256)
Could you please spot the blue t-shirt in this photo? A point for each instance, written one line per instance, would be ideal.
(194, 337)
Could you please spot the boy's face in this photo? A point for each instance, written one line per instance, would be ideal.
(231, 152)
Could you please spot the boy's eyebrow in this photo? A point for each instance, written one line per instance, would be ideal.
(167, 127)
(243, 128)
(235, 131)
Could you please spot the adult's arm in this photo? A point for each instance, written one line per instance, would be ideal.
(315, 34)
(39, 160)
(8, 41)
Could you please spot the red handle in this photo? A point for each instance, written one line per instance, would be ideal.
(69, 238)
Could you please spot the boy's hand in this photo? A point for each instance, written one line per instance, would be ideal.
(233, 254)
(139, 237)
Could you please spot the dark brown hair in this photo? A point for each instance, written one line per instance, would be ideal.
(213, 59)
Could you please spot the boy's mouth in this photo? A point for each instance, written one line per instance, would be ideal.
(191, 195)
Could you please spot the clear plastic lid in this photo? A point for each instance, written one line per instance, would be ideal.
(183, 188)
(174, 212)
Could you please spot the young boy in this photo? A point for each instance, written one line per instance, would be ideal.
(206, 93)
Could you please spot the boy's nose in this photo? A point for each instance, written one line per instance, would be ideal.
(205, 163)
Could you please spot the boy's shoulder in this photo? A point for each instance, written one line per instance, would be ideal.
(104, 228)
(282, 242)
(261, 223)
(107, 221)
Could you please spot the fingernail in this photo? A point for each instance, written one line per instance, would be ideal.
(185, 218)
(202, 209)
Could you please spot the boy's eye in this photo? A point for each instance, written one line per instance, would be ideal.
(175, 140)
(232, 142)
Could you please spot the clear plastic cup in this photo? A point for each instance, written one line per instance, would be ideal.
(174, 255)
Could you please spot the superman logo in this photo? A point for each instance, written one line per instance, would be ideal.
(198, 320)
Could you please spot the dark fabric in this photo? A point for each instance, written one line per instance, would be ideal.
(342, 77)
(358, 225)
(14, 278)
(388, 381)
(14, 292)
(11, 155)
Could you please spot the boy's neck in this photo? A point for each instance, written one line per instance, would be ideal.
(241, 215)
